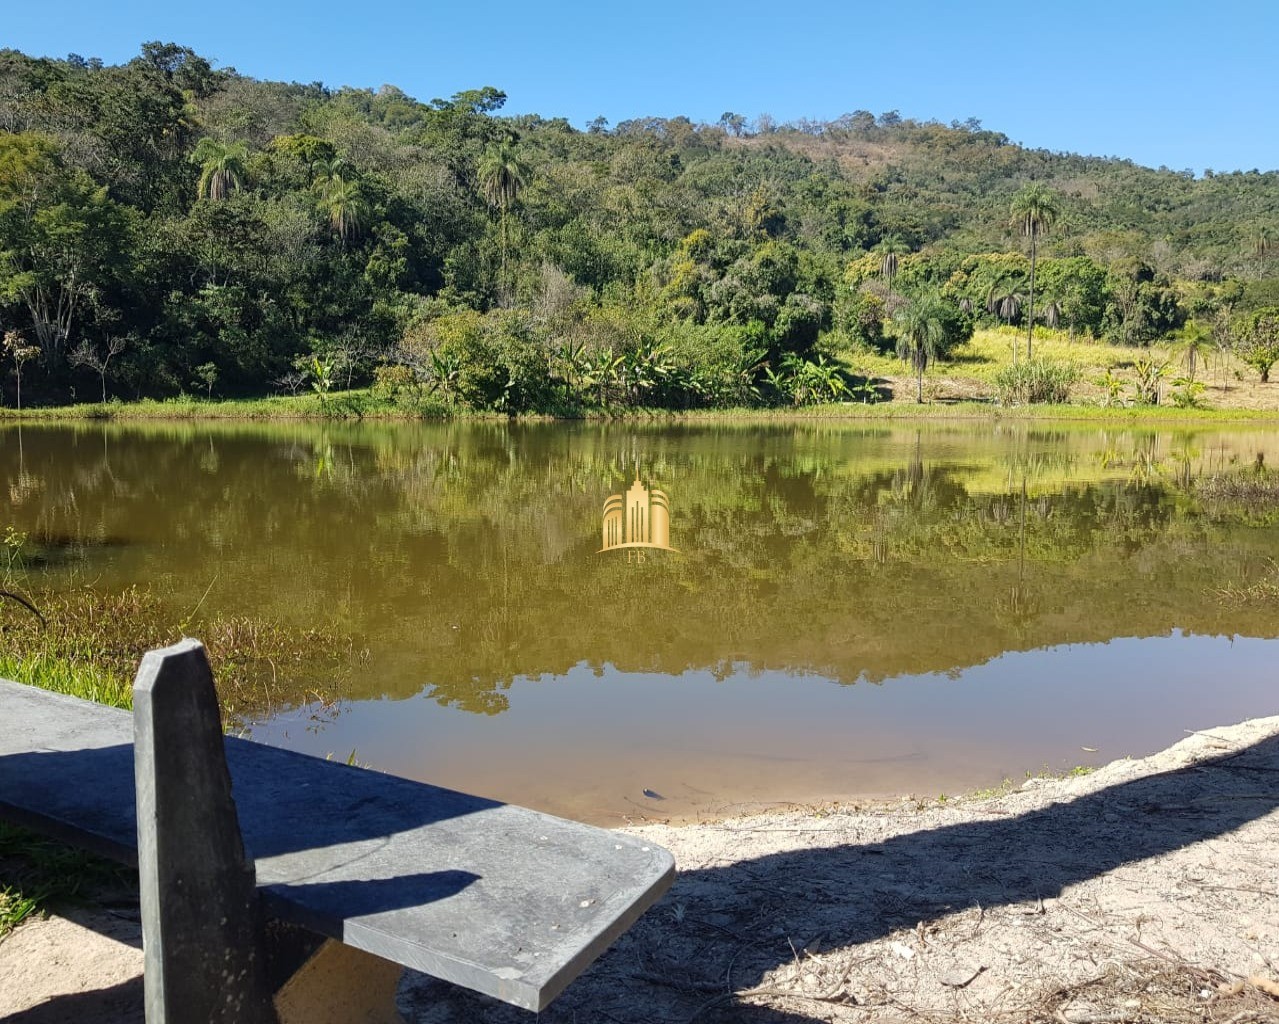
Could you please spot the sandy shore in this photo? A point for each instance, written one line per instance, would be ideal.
(1146, 891)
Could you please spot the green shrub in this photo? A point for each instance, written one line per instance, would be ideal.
(1035, 382)
(494, 361)
(1256, 337)
(1188, 393)
(390, 379)
(714, 364)
(859, 316)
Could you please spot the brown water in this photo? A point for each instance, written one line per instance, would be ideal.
(850, 609)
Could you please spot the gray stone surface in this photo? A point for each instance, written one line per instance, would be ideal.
(203, 956)
(507, 901)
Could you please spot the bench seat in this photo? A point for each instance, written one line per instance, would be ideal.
(496, 898)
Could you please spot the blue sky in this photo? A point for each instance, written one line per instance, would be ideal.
(1186, 85)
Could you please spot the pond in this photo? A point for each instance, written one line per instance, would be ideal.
(768, 613)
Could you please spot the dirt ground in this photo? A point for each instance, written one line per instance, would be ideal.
(1147, 891)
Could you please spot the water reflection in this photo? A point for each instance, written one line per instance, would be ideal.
(465, 557)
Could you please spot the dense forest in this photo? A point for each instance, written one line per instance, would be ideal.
(167, 227)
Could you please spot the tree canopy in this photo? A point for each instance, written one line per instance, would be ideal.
(217, 220)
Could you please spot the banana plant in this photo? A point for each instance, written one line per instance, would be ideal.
(646, 368)
(321, 376)
(827, 378)
(780, 383)
(1112, 385)
(750, 368)
(603, 374)
(1149, 377)
(443, 369)
(573, 362)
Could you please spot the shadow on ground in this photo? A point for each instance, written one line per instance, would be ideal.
(119, 1004)
(723, 929)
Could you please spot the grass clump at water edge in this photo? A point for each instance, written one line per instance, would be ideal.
(87, 643)
(79, 680)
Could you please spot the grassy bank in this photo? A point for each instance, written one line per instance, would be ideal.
(974, 410)
(87, 643)
(37, 873)
(989, 351)
(359, 405)
(962, 386)
(76, 678)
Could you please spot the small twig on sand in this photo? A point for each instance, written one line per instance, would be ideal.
(1251, 1016)
(1092, 1018)
(1212, 977)
(963, 982)
(728, 970)
(1237, 888)
(723, 997)
(683, 985)
(833, 993)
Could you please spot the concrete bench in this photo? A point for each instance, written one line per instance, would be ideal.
(500, 899)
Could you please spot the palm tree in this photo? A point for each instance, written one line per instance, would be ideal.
(345, 205)
(502, 175)
(920, 333)
(221, 167)
(889, 248)
(1262, 249)
(1004, 301)
(326, 169)
(1194, 344)
(1034, 210)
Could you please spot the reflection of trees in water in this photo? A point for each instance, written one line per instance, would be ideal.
(465, 554)
(1021, 604)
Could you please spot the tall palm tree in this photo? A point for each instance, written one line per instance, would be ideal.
(347, 209)
(221, 167)
(920, 333)
(1262, 248)
(502, 176)
(890, 248)
(1034, 210)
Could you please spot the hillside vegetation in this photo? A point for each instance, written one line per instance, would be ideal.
(170, 228)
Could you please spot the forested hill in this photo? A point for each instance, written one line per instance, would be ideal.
(168, 226)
